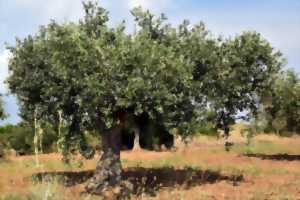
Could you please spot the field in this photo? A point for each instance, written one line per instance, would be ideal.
(267, 169)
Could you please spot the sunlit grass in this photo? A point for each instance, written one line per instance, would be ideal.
(16, 182)
(266, 147)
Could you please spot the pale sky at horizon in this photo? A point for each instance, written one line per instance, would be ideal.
(278, 21)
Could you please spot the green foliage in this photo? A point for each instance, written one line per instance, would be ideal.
(281, 104)
(250, 131)
(95, 75)
(208, 129)
(20, 138)
(246, 69)
(2, 112)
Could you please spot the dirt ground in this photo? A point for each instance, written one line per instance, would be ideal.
(267, 169)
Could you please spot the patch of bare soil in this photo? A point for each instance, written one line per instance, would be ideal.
(144, 155)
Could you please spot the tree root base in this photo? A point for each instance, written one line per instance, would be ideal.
(119, 191)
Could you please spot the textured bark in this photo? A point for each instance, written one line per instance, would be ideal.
(108, 170)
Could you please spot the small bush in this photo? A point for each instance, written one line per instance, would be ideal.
(208, 129)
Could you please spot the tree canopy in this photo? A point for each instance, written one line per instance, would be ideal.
(246, 68)
(281, 104)
(98, 76)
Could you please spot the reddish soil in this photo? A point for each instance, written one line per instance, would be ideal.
(214, 173)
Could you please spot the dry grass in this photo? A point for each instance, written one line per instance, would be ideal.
(203, 170)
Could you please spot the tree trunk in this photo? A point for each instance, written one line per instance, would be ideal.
(108, 170)
(226, 132)
(136, 144)
(226, 138)
(36, 139)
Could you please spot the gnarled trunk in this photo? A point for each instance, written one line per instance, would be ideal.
(108, 170)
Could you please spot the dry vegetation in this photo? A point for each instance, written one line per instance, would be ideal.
(267, 169)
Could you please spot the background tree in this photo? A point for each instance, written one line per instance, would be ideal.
(2, 116)
(230, 75)
(19, 137)
(2, 112)
(246, 67)
(281, 104)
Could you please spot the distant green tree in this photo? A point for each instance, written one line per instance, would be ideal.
(245, 68)
(230, 75)
(281, 104)
(19, 137)
(3, 115)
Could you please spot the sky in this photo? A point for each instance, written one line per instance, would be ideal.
(277, 20)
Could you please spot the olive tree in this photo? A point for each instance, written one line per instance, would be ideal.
(95, 77)
(230, 75)
(98, 76)
(245, 68)
(281, 106)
